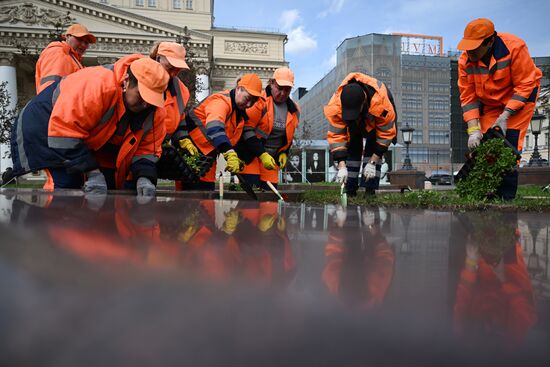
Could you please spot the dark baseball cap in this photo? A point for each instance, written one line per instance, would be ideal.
(352, 99)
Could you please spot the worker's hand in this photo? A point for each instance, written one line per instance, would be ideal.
(231, 221)
(369, 171)
(502, 121)
(234, 164)
(95, 184)
(266, 222)
(342, 175)
(187, 144)
(281, 224)
(341, 216)
(368, 217)
(474, 133)
(282, 160)
(145, 188)
(267, 161)
(185, 235)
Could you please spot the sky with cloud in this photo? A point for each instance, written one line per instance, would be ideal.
(315, 28)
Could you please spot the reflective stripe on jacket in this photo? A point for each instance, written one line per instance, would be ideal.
(264, 113)
(216, 123)
(56, 61)
(511, 80)
(381, 116)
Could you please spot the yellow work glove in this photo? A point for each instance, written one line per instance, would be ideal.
(267, 161)
(185, 236)
(231, 221)
(266, 222)
(234, 164)
(187, 144)
(282, 160)
(281, 224)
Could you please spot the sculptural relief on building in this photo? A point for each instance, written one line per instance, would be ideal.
(243, 47)
(31, 14)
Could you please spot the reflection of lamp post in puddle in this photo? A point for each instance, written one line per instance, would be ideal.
(534, 266)
(405, 248)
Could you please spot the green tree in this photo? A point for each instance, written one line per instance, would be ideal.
(7, 114)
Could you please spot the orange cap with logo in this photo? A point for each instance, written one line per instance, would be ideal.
(78, 30)
(152, 80)
(475, 32)
(174, 53)
(284, 77)
(252, 84)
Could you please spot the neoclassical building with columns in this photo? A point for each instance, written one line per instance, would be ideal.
(124, 27)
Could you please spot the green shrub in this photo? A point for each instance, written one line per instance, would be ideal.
(492, 160)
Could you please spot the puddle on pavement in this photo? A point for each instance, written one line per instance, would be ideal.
(258, 279)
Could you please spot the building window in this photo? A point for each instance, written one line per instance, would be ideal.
(139, 2)
(176, 4)
(188, 4)
(103, 1)
(152, 3)
(439, 120)
(527, 142)
(413, 118)
(418, 137)
(412, 101)
(439, 137)
(417, 154)
(438, 102)
(412, 86)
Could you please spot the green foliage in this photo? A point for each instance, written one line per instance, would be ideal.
(7, 114)
(192, 161)
(492, 159)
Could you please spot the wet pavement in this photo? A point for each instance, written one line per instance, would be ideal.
(175, 281)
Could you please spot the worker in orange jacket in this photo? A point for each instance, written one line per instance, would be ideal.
(499, 85)
(216, 125)
(361, 107)
(171, 56)
(61, 58)
(275, 130)
(103, 123)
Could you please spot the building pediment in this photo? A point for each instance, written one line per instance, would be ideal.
(30, 23)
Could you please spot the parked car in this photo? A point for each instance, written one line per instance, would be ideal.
(440, 177)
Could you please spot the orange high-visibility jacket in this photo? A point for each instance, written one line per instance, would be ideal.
(504, 308)
(510, 80)
(216, 123)
(263, 112)
(87, 112)
(381, 117)
(56, 61)
(376, 269)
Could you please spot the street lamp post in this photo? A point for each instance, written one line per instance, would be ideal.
(407, 139)
(536, 124)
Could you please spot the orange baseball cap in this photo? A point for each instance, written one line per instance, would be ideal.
(252, 84)
(152, 80)
(284, 77)
(78, 30)
(475, 32)
(175, 53)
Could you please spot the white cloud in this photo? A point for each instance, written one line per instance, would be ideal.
(289, 18)
(334, 7)
(300, 41)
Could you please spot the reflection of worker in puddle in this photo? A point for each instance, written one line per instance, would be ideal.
(360, 262)
(494, 297)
